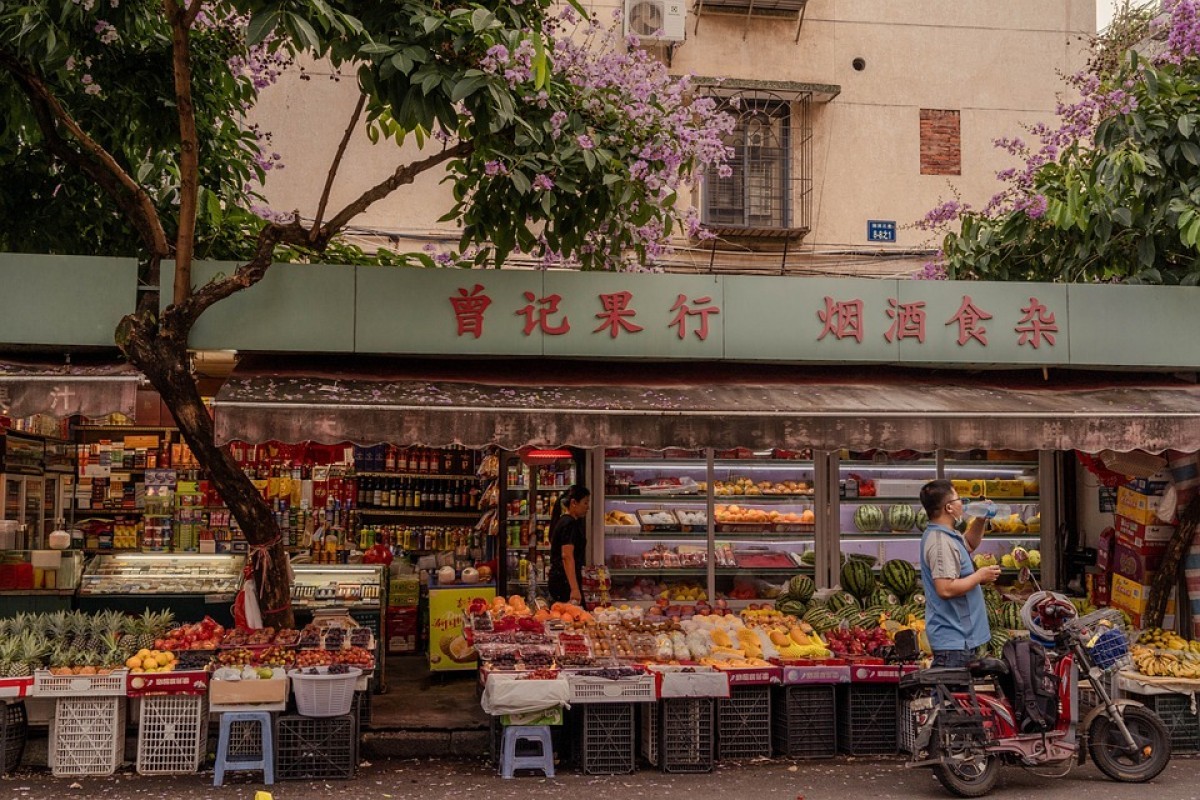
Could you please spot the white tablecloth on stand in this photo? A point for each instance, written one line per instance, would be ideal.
(505, 695)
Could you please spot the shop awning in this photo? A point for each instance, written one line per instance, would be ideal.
(59, 389)
(516, 402)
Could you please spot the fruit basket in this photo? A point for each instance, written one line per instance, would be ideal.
(46, 684)
(322, 692)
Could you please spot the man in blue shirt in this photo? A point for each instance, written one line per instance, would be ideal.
(956, 621)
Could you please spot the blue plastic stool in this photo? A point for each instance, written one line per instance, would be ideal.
(265, 761)
(510, 762)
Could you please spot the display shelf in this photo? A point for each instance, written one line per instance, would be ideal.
(540, 488)
(113, 428)
(525, 517)
(721, 499)
(402, 512)
(689, 572)
(157, 573)
(928, 465)
(433, 476)
(37, 592)
(848, 536)
(913, 501)
(720, 463)
(110, 511)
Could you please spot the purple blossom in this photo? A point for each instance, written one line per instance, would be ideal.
(543, 183)
(494, 168)
(585, 142)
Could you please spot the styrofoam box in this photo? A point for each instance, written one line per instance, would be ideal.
(895, 487)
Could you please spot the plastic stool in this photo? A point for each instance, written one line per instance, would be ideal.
(265, 762)
(510, 762)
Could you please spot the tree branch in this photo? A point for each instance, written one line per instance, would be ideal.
(94, 161)
(189, 149)
(193, 10)
(404, 174)
(337, 160)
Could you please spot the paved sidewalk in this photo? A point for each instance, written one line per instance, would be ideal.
(839, 779)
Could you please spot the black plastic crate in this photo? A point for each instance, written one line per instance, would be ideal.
(686, 734)
(804, 721)
(1175, 710)
(14, 730)
(316, 748)
(604, 738)
(744, 723)
(361, 709)
(868, 717)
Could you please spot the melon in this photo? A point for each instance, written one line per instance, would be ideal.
(899, 576)
(840, 600)
(868, 518)
(922, 519)
(792, 606)
(901, 518)
(858, 578)
(882, 598)
(801, 587)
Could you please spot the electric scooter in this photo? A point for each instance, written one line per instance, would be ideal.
(965, 736)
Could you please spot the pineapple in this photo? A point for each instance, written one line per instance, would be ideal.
(8, 655)
(113, 654)
(78, 625)
(61, 658)
(31, 649)
(149, 627)
(56, 628)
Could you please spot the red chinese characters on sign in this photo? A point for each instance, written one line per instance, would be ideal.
(1037, 324)
(468, 310)
(682, 311)
(908, 321)
(616, 314)
(536, 318)
(968, 318)
(842, 319)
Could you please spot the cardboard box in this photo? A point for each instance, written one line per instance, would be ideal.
(1155, 485)
(1104, 550)
(402, 630)
(1132, 597)
(1099, 589)
(1004, 488)
(235, 693)
(403, 591)
(1137, 563)
(1142, 508)
(1139, 534)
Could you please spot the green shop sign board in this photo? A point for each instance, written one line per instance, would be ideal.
(59, 301)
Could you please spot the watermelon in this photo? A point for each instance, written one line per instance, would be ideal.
(869, 560)
(883, 598)
(862, 619)
(858, 578)
(801, 587)
(789, 605)
(922, 519)
(899, 576)
(901, 518)
(1010, 616)
(919, 599)
(992, 597)
(840, 600)
(820, 619)
(995, 647)
(808, 557)
(868, 518)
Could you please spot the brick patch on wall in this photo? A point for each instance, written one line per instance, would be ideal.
(941, 145)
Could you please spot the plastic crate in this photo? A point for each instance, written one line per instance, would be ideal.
(744, 723)
(316, 748)
(14, 730)
(648, 732)
(906, 731)
(172, 734)
(804, 721)
(324, 695)
(111, 685)
(362, 709)
(245, 741)
(686, 734)
(87, 736)
(1175, 710)
(604, 738)
(867, 719)
(586, 689)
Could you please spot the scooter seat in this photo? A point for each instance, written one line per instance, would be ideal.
(937, 676)
(988, 668)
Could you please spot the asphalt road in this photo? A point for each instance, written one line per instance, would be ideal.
(840, 779)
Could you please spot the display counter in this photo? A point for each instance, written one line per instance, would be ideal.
(190, 585)
(38, 581)
(360, 590)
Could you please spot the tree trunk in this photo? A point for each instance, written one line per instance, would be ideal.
(1167, 577)
(163, 359)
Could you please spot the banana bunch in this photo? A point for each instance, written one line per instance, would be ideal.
(1157, 663)
(1167, 640)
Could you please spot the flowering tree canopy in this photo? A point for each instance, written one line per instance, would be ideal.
(122, 132)
(1112, 191)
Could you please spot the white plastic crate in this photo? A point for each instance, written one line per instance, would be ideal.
(87, 736)
(110, 685)
(585, 689)
(172, 734)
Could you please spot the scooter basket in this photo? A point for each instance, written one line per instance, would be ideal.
(1103, 634)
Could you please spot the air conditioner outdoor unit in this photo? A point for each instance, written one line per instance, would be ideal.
(659, 20)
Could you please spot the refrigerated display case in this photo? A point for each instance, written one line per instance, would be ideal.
(191, 585)
(660, 543)
(530, 486)
(358, 590)
(22, 461)
(38, 581)
(880, 514)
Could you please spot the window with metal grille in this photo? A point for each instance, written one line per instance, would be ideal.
(759, 191)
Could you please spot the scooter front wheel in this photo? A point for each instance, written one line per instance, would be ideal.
(969, 776)
(1145, 761)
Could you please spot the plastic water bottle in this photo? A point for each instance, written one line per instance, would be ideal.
(986, 509)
